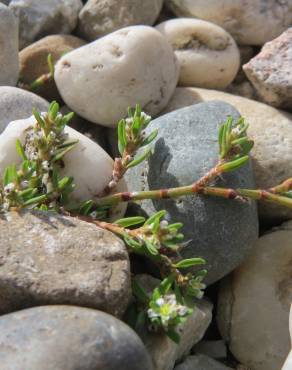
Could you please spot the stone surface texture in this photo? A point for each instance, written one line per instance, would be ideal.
(185, 149)
(100, 17)
(250, 22)
(254, 303)
(99, 81)
(201, 362)
(69, 338)
(9, 47)
(50, 259)
(270, 71)
(208, 55)
(271, 130)
(288, 362)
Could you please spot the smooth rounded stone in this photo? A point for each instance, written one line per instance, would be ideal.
(17, 104)
(270, 71)
(163, 351)
(250, 22)
(69, 338)
(89, 165)
(288, 362)
(47, 258)
(101, 80)
(271, 130)
(254, 303)
(208, 55)
(201, 362)
(219, 230)
(9, 47)
(40, 18)
(33, 60)
(100, 17)
(212, 348)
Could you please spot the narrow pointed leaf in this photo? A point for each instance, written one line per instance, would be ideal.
(189, 263)
(140, 159)
(20, 150)
(130, 221)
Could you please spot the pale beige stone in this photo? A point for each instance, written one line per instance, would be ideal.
(288, 362)
(271, 130)
(208, 55)
(99, 81)
(254, 303)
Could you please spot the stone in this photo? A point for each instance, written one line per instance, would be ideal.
(69, 338)
(208, 55)
(288, 362)
(218, 230)
(9, 47)
(254, 303)
(38, 18)
(100, 17)
(212, 348)
(201, 362)
(271, 130)
(16, 104)
(89, 165)
(99, 81)
(163, 351)
(250, 22)
(270, 71)
(47, 258)
(33, 60)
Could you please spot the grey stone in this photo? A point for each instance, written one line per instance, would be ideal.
(163, 351)
(51, 259)
(270, 71)
(201, 362)
(9, 47)
(100, 17)
(212, 348)
(41, 18)
(221, 231)
(17, 104)
(69, 338)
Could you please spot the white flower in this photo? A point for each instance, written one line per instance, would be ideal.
(160, 301)
(9, 188)
(145, 116)
(46, 165)
(24, 184)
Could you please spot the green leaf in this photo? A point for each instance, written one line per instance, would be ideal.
(51, 64)
(122, 138)
(140, 159)
(10, 175)
(157, 215)
(86, 207)
(130, 221)
(53, 110)
(35, 200)
(150, 138)
(173, 335)
(136, 126)
(65, 182)
(189, 262)
(151, 248)
(135, 245)
(38, 117)
(59, 154)
(20, 150)
(67, 118)
(234, 165)
(166, 284)
(139, 291)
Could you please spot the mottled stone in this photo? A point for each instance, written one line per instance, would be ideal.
(201, 362)
(250, 22)
(51, 259)
(69, 338)
(17, 104)
(254, 303)
(40, 18)
(100, 17)
(270, 71)
(221, 231)
(33, 60)
(9, 47)
(271, 130)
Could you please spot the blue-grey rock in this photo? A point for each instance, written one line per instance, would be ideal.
(69, 338)
(17, 104)
(221, 231)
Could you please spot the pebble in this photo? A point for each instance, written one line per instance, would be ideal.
(270, 71)
(100, 17)
(17, 104)
(40, 18)
(71, 338)
(288, 362)
(271, 130)
(254, 303)
(33, 60)
(101, 80)
(218, 230)
(208, 55)
(250, 22)
(89, 165)
(9, 47)
(201, 362)
(212, 348)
